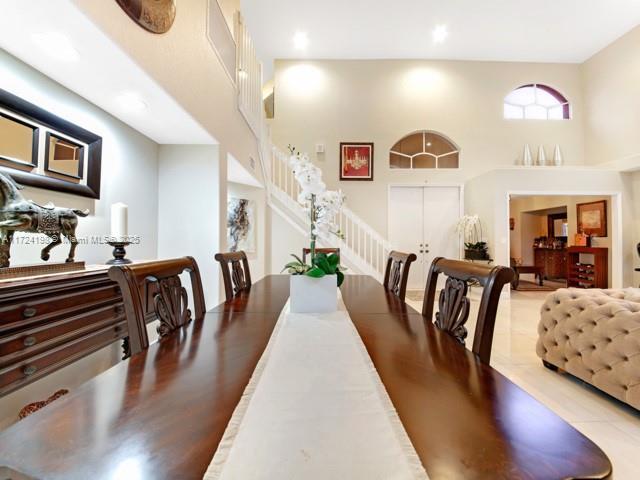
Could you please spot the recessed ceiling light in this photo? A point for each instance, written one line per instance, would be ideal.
(131, 102)
(300, 40)
(440, 34)
(56, 45)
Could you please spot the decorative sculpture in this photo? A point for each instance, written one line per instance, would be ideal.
(20, 215)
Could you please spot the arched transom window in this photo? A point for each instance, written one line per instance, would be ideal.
(536, 102)
(424, 150)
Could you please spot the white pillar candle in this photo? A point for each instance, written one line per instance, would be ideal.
(119, 221)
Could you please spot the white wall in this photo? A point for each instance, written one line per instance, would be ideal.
(257, 259)
(285, 240)
(380, 101)
(129, 175)
(129, 170)
(612, 102)
(183, 62)
(189, 222)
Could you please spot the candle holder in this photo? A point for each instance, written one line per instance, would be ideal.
(119, 253)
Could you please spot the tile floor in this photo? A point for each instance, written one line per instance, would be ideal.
(612, 425)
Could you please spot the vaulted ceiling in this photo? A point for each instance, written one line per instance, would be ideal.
(500, 30)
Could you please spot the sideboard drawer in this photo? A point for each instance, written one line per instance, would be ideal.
(32, 310)
(31, 341)
(18, 374)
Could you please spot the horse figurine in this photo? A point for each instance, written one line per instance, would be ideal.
(20, 215)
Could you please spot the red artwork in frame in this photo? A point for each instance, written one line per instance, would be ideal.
(356, 161)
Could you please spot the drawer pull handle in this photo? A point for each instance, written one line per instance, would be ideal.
(29, 370)
(29, 312)
(29, 341)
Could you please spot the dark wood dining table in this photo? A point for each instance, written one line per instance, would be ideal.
(162, 413)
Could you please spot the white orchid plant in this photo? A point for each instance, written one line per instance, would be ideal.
(323, 206)
(469, 227)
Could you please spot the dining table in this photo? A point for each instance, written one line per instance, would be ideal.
(161, 414)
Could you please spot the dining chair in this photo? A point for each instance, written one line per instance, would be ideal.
(327, 251)
(453, 303)
(156, 287)
(235, 272)
(396, 273)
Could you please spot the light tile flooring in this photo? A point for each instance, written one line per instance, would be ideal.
(612, 425)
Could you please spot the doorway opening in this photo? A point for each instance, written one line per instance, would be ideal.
(558, 241)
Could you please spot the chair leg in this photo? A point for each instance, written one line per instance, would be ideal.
(550, 366)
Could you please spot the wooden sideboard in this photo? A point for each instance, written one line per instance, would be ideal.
(553, 262)
(50, 321)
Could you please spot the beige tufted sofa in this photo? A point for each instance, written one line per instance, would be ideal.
(594, 335)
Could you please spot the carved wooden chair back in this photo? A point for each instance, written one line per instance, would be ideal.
(158, 283)
(453, 303)
(235, 272)
(396, 273)
(328, 251)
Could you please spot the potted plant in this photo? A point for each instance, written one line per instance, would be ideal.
(314, 286)
(470, 229)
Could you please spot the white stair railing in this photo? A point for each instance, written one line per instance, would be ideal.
(362, 247)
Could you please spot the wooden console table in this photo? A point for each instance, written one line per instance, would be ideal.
(553, 261)
(588, 275)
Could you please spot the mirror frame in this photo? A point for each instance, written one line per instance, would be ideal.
(44, 118)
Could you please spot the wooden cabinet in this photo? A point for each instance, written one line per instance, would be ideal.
(51, 321)
(552, 261)
(588, 267)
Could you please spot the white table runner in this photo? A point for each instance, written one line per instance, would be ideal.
(315, 408)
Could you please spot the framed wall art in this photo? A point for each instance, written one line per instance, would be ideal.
(592, 218)
(356, 161)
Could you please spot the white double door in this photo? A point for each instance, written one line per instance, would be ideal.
(422, 220)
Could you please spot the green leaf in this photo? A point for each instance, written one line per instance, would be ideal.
(340, 276)
(297, 258)
(322, 263)
(334, 259)
(315, 272)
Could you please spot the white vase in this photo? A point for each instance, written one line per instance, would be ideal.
(527, 159)
(313, 295)
(557, 156)
(542, 156)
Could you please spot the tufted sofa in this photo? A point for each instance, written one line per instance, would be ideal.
(594, 335)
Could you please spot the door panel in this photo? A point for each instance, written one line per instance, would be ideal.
(423, 220)
(405, 227)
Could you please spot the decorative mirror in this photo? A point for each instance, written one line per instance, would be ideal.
(43, 150)
(155, 16)
(18, 143)
(63, 157)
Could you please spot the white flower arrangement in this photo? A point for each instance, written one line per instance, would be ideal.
(322, 206)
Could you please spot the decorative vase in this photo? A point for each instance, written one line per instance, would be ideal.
(313, 295)
(557, 156)
(527, 159)
(542, 156)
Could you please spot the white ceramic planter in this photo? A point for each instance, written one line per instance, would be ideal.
(313, 295)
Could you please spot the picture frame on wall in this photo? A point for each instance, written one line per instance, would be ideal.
(592, 218)
(356, 161)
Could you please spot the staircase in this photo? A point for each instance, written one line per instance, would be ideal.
(363, 250)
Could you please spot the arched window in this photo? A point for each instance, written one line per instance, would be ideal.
(536, 102)
(424, 149)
